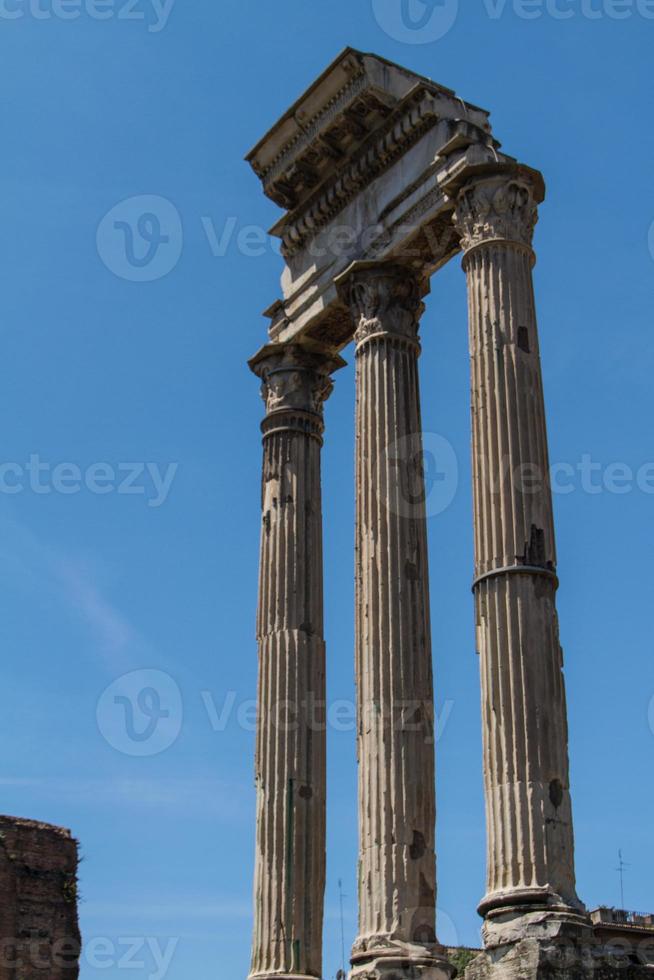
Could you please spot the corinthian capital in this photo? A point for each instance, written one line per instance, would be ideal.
(295, 378)
(499, 208)
(383, 300)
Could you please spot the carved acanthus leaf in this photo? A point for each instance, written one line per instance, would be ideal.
(499, 208)
(385, 300)
(296, 380)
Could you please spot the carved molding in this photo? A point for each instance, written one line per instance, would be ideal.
(498, 208)
(312, 127)
(384, 300)
(305, 168)
(330, 200)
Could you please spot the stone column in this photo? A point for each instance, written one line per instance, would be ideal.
(525, 737)
(397, 810)
(290, 756)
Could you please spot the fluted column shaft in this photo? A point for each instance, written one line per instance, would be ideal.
(290, 754)
(524, 720)
(397, 808)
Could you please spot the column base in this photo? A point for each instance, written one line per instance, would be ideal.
(513, 921)
(507, 925)
(533, 960)
(281, 976)
(549, 944)
(532, 898)
(404, 962)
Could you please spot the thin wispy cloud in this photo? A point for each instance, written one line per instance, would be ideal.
(201, 796)
(116, 634)
(40, 568)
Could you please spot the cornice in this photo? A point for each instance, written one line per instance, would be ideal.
(343, 108)
(375, 156)
(311, 128)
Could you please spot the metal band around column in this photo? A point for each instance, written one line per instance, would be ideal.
(516, 570)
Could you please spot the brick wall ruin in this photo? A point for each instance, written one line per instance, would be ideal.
(39, 932)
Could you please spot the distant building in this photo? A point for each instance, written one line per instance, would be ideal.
(631, 934)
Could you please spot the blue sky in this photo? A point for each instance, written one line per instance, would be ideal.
(149, 562)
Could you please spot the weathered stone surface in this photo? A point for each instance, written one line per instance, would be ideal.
(550, 946)
(39, 932)
(359, 164)
(397, 807)
(384, 176)
(524, 722)
(290, 762)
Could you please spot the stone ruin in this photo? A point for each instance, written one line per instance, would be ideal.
(39, 932)
(383, 177)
